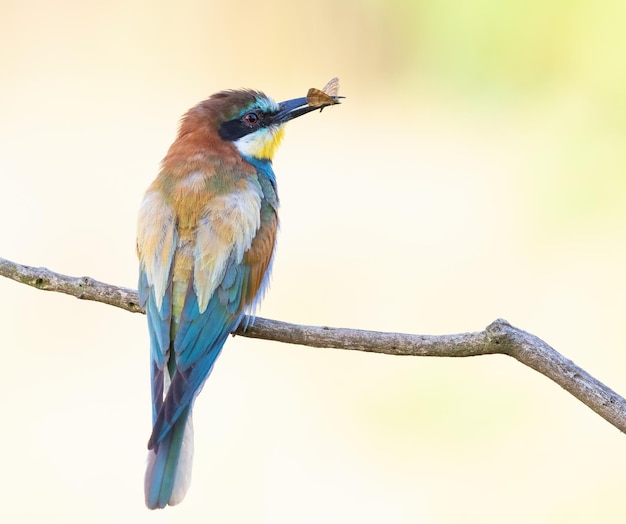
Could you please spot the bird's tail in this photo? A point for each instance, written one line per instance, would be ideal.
(169, 465)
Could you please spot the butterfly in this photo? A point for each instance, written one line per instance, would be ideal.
(327, 96)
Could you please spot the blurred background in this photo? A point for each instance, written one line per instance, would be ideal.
(476, 170)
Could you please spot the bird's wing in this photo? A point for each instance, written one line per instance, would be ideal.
(156, 246)
(231, 248)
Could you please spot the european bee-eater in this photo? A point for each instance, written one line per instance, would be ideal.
(205, 241)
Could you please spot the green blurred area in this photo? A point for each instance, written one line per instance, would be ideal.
(558, 67)
(516, 49)
(562, 61)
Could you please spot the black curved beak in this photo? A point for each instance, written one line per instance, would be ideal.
(296, 107)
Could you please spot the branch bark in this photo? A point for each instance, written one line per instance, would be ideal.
(499, 337)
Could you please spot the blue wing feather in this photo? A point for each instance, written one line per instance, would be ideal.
(198, 342)
(158, 327)
(229, 276)
(143, 288)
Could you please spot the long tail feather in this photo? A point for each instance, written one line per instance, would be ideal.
(168, 474)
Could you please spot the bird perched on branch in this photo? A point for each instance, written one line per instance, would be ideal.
(205, 241)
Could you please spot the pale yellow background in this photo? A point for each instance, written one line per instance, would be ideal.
(475, 171)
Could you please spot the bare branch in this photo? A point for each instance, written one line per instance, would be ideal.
(85, 288)
(500, 337)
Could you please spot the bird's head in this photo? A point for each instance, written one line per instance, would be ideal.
(250, 120)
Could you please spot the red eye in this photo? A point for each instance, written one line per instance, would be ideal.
(251, 118)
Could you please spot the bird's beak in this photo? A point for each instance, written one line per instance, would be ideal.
(291, 109)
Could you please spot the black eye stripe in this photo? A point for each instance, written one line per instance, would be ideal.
(240, 127)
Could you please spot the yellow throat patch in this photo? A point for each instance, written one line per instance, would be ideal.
(261, 144)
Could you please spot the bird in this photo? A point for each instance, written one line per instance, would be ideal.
(206, 235)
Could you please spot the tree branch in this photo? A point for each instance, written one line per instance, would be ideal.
(500, 337)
